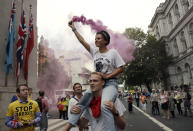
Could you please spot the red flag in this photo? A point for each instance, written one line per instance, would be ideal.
(30, 45)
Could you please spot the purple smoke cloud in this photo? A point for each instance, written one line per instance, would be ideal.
(121, 43)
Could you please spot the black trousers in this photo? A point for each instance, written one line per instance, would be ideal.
(173, 114)
(63, 114)
(155, 106)
(137, 101)
(179, 108)
(130, 106)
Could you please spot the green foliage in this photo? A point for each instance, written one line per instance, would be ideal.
(151, 61)
(136, 34)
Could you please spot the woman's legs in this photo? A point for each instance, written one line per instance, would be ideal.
(168, 114)
(109, 94)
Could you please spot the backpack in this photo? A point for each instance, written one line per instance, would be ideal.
(60, 107)
(39, 101)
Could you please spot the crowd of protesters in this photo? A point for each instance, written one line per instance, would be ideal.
(177, 100)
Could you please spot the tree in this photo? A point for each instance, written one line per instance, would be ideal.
(151, 61)
(136, 34)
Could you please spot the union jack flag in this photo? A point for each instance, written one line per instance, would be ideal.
(22, 33)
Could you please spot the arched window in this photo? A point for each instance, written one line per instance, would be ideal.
(176, 50)
(185, 4)
(176, 12)
(180, 76)
(191, 31)
(167, 48)
(170, 20)
(183, 40)
(188, 71)
(157, 31)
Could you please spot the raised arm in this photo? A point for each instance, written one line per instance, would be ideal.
(79, 37)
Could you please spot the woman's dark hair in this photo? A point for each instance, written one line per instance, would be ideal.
(41, 93)
(105, 35)
(63, 99)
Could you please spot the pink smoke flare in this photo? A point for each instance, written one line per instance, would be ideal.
(121, 43)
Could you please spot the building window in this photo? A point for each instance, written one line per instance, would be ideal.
(157, 31)
(167, 49)
(188, 71)
(170, 20)
(176, 50)
(180, 76)
(191, 31)
(176, 12)
(183, 40)
(185, 4)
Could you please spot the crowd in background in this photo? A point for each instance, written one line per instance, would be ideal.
(175, 101)
(62, 106)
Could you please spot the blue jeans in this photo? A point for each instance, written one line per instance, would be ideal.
(109, 93)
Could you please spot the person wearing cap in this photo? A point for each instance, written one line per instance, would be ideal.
(154, 101)
(109, 64)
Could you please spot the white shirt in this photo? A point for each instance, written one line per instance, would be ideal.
(163, 98)
(154, 97)
(97, 124)
(72, 102)
(106, 62)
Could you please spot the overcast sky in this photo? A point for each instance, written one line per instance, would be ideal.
(53, 16)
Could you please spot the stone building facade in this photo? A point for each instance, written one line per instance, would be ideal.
(173, 22)
(7, 92)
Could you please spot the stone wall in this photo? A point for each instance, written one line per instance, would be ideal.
(173, 22)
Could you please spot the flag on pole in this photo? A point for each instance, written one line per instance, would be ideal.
(22, 33)
(10, 41)
(30, 45)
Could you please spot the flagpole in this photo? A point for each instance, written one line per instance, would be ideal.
(28, 32)
(17, 80)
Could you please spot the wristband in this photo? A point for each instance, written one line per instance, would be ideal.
(73, 29)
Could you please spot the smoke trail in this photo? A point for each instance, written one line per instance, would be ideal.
(121, 43)
(53, 76)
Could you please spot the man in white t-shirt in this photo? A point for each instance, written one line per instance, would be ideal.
(77, 87)
(154, 101)
(97, 122)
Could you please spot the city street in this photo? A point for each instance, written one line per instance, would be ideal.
(139, 121)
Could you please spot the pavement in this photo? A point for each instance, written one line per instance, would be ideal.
(56, 125)
(138, 120)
